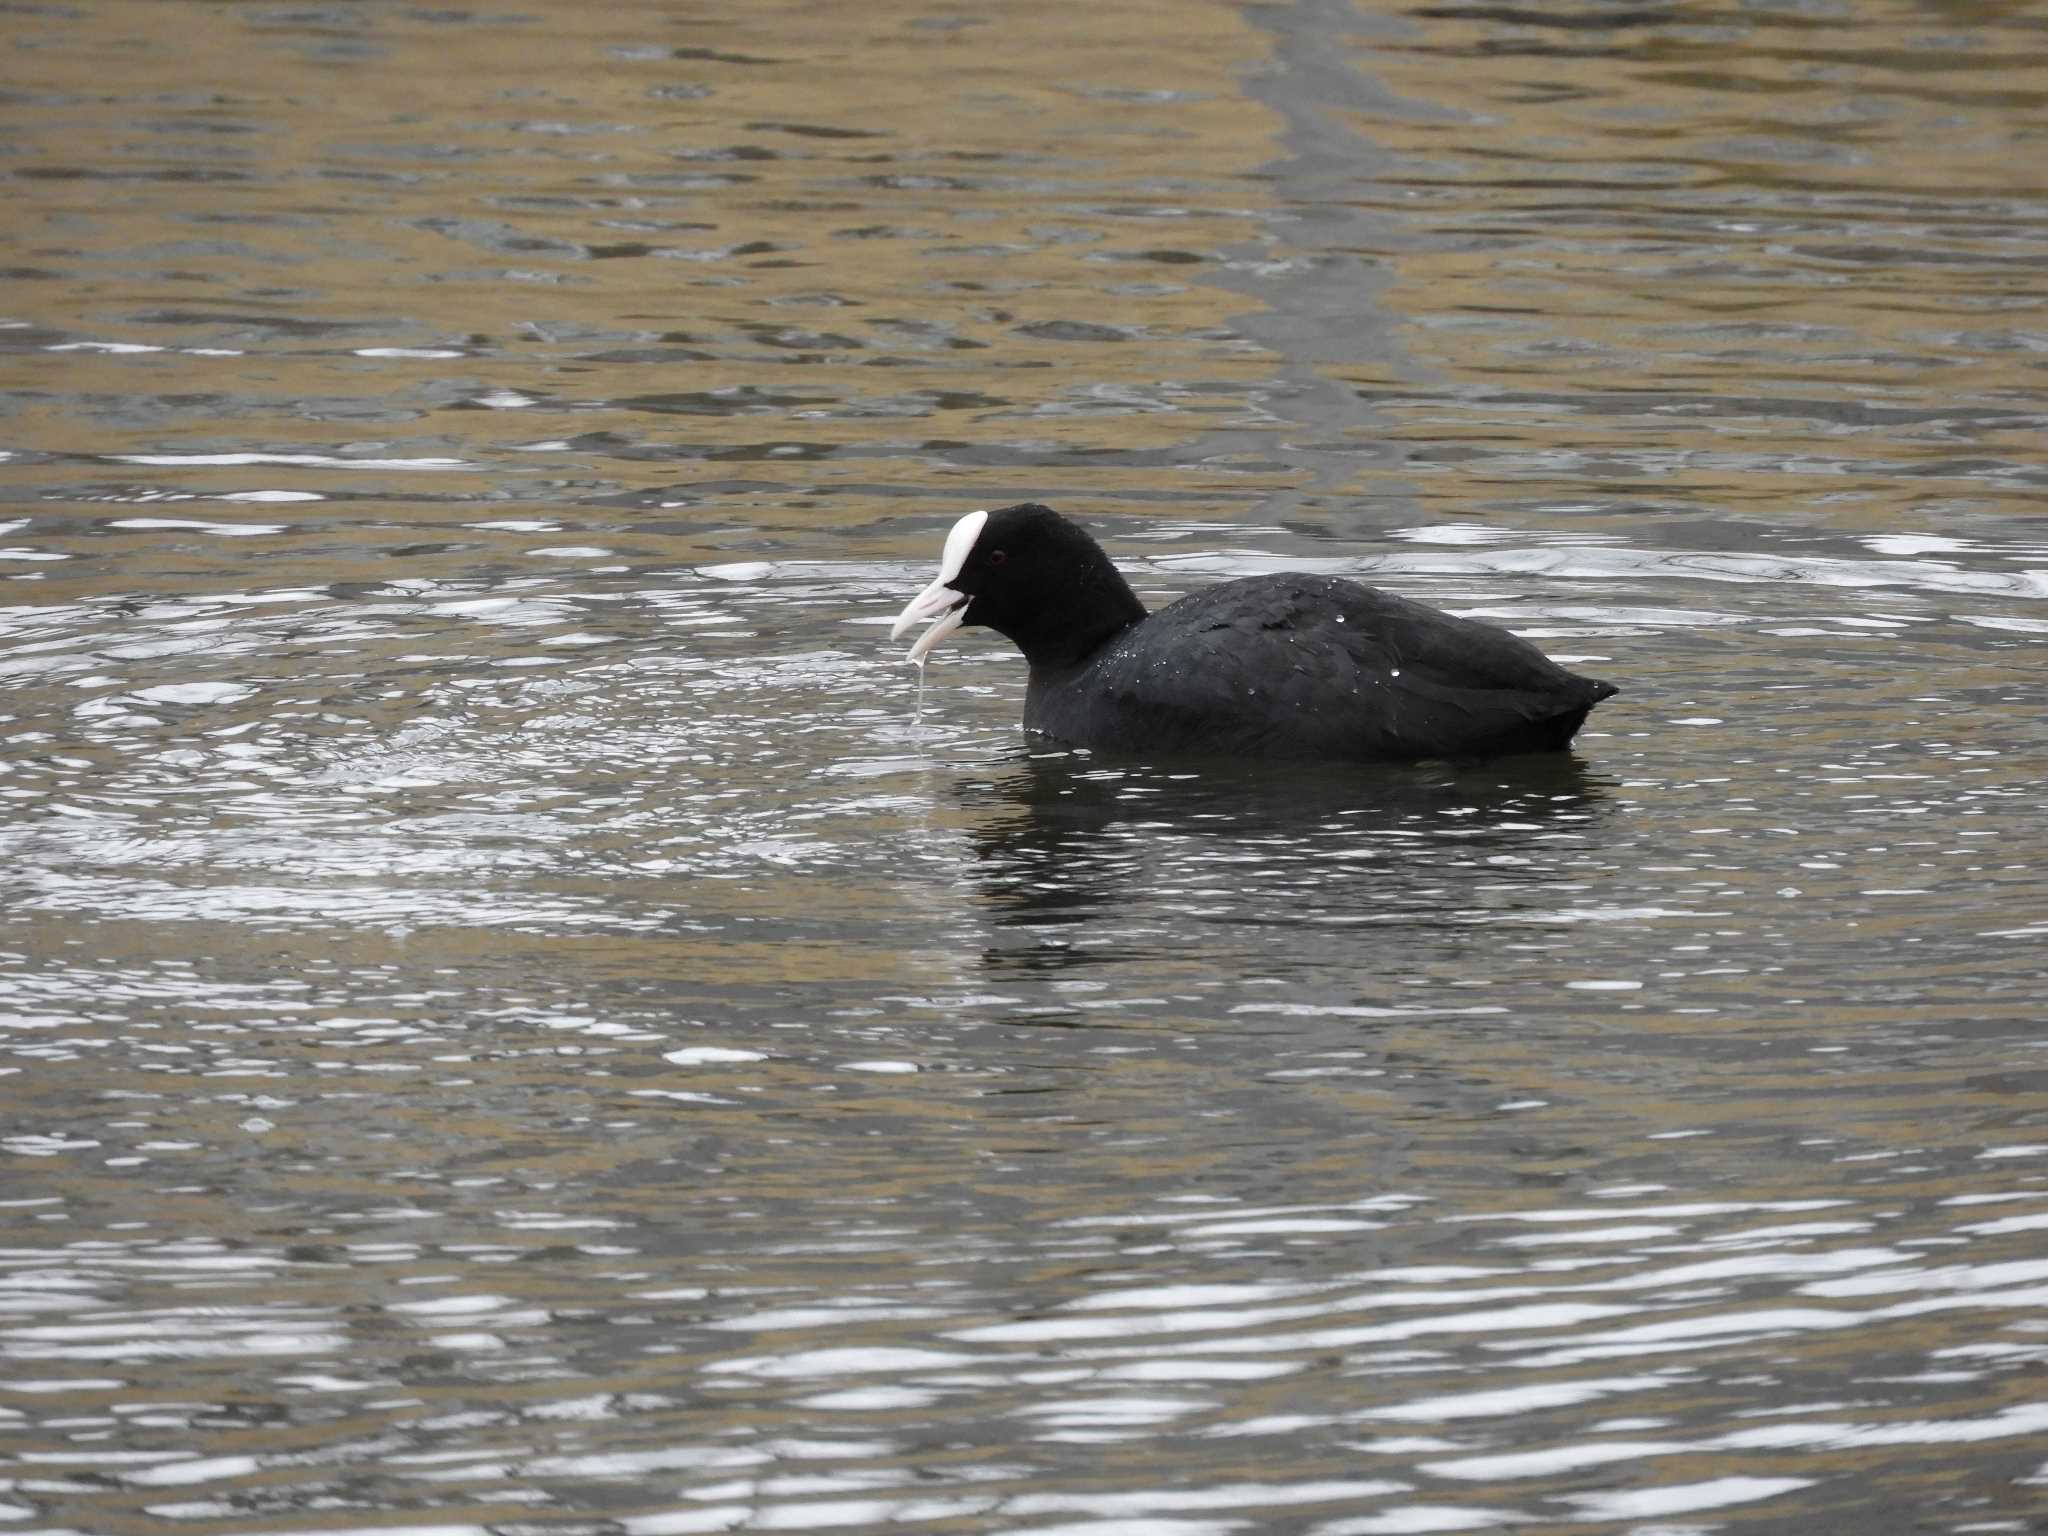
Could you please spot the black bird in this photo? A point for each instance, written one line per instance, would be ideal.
(1290, 665)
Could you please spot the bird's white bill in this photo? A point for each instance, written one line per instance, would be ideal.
(939, 601)
(935, 601)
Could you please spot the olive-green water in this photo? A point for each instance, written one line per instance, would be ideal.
(517, 1016)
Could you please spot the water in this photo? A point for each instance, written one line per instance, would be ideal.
(518, 1018)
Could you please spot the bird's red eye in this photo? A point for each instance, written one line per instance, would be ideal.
(997, 557)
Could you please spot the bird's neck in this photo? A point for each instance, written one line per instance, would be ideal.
(1098, 607)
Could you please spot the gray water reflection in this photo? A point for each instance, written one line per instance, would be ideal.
(1213, 855)
(518, 1014)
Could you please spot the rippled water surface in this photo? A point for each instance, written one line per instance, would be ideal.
(517, 1015)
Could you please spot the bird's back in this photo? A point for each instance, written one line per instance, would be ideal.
(1312, 666)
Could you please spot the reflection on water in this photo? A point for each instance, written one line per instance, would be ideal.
(1107, 861)
(518, 1014)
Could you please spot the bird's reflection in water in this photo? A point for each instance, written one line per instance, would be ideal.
(1085, 861)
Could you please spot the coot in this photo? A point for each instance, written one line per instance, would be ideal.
(1289, 665)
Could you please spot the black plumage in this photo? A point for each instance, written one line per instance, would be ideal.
(1288, 665)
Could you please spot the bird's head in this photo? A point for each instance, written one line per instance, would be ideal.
(1029, 574)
